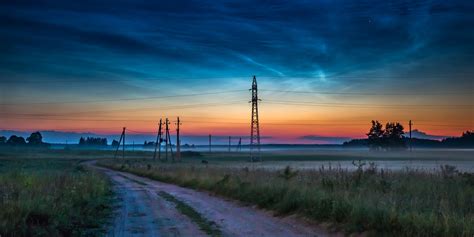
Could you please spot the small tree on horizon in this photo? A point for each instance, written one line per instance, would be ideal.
(35, 139)
(375, 135)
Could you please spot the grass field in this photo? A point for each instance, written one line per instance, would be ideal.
(368, 200)
(48, 192)
(51, 197)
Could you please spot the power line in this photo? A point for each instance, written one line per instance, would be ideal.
(125, 99)
(350, 105)
(367, 93)
(147, 108)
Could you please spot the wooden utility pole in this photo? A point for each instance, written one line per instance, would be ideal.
(410, 124)
(122, 137)
(123, 147)
(167, 138)
(158, 142)
(239, 145)
(178, 142)
(209, 143)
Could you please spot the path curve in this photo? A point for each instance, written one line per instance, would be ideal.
(144, 213)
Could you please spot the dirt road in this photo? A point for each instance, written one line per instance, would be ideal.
(143, 212)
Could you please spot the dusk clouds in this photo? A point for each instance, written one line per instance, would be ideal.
(200, 39)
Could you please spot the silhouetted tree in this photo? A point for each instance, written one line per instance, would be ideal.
(3, 140)
(466, 140)
(375, 135)
(35, 139)
(148, 144)
(115, 143)
(16, 141)
(393, 136)
(93, 141)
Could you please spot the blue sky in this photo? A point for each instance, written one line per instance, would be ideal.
(72, 50)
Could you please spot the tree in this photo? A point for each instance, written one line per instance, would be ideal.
(115, 143)
(82, 141)
(35, 139)
(375, 135)
(393, 135)
(16, 141)
(3, 140)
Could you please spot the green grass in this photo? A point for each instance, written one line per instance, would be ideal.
(52, 197)
(207, 226)
(372, 201)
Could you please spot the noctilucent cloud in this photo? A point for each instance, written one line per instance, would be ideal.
(325, 68)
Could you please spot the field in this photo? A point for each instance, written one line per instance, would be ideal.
(49, 192)
(366, 199)
(51, 197)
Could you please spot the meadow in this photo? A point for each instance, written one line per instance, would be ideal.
(49, 192)
(51, 196)
(367, 200)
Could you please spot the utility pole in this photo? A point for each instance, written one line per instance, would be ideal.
(410, 124)
(209, 143)
(254, 124)
(239, 145)
(178, 142)
(158, 142)
(229, 143)
(123, 147)
(122, 136)
(167, 137)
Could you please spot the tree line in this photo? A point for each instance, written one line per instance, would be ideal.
(34, 140)
(92, 141)
(393, 137)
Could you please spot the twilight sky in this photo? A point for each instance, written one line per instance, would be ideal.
(325, 68)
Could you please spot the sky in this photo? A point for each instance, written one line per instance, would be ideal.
(325, 68)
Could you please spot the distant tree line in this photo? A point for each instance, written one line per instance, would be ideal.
(93, 141)
(392, 137)
(34, 140)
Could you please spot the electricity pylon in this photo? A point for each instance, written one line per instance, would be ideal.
(255, 128)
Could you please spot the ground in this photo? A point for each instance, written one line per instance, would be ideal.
(215, 197)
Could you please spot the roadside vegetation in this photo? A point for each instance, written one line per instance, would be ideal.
(369, 200)
(207, 226)
(52, 197)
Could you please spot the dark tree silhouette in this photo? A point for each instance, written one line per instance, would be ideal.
(115, 143)
(16, 141)
(393, 136)
(3, 140)
(466, 140)
(149, 144)
(375, 135)
(35, 139)
(93, 141)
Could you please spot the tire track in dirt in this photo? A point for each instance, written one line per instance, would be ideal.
(162, 219)
(142, 212)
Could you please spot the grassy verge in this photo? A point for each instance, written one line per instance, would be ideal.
(371, 201)
(49, 197)
(207, 226)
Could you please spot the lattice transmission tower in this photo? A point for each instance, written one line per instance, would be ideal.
(255, 128)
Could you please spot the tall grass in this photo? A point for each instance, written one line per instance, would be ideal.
(62, 199)
(372, 201)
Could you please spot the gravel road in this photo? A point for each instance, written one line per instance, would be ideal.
(142, 212)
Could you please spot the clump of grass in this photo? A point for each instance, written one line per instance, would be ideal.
(60, 200)
(207, 226)
(368, 200)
